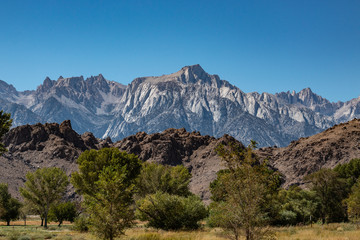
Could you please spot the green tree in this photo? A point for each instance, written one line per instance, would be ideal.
(353, 201)
(331, 191)
(10, 206)
(349, 171)
(106, 179)
(296, 206)
(168, 179)
(30, 208)
(43, 188)
(5, 124)
(64, 211)
(171, 212)
(245, 193)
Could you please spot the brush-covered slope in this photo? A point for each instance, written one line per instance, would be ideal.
(338, 144)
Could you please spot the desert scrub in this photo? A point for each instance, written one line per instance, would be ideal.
(157, 236)
(147, 236)
(13, 235)
(25, 238)
(81, 223)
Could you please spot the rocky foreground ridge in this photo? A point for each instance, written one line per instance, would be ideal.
(44, 145)
(58, 145)
(190, 98)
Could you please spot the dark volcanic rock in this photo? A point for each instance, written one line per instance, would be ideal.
(53, 145)
(177, 146)
(41, 145)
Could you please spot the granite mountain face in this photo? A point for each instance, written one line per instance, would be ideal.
(190, 99)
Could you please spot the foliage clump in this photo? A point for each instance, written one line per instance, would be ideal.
(5, 124)
(9, 206)
(43, 188)
(106, 179)
(171, 212)
(243, 193)
(63, 211)
(167, 179)
(331, 191)
(165, 200)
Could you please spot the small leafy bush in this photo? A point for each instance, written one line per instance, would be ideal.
(171, 212)
(81, 223)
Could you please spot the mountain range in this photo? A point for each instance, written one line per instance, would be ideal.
(190, 99)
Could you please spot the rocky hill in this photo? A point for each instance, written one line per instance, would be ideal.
(190, 99)
(338, 144)
(53, 145)
(36, 146)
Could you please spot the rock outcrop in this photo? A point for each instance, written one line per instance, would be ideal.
(179, 147)
(53, 145)
(35, 146)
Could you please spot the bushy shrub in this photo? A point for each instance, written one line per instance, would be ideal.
(170, 179)
(14, 235)
(166, 211)
(81, 223)
(62, 212)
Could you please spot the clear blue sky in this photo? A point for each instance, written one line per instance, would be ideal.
(263, 46)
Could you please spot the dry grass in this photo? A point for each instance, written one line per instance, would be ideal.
(335, 231)
(340, 231)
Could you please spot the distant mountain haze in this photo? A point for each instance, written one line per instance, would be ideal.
(190, 99)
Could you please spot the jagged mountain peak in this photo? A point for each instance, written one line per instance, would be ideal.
(193, 74)
(304, 97)
(194, 69)
(96, 79)
(48, 83)
(71, 81)
(7, 88)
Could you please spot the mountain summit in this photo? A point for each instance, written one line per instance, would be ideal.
(189, 98)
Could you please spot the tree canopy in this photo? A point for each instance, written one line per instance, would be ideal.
(106, 179)
(171, 212)
(43, 188)
(9, 207)
(331, 190)
(243, 192)
(63, 211)
(167, 179)
(5, 124)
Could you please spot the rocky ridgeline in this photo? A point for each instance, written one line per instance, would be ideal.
(43, 145)
(177, 146)
(47, 145)
(53, 145)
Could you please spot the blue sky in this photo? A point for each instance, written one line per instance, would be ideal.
(263, 46)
